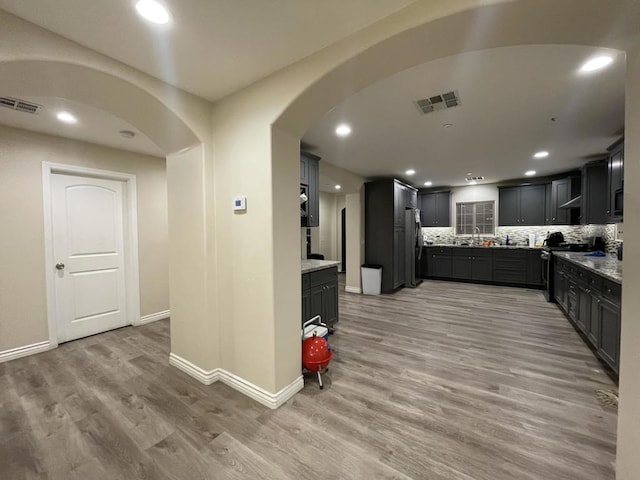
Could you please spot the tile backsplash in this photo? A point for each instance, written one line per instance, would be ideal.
(520, 235)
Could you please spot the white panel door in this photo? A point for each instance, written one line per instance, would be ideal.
(88, 246)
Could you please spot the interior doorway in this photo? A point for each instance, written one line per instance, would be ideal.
(91, 251)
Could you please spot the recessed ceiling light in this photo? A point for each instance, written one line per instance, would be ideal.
(447, 125)
(66, 117)
(338, 187)
(530, 173)
(473, 182)
(596, 63)
(542, 154)
(468, 174)
(428, 184)
(153, 11)
(343, 130)
(410, 172)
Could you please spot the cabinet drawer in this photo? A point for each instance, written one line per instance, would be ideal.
(594, 282)
(612, 291)
(306, 281)
(439, 250)
(323, 276)
(461, 252)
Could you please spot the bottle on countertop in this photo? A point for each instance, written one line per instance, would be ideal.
(506, 242)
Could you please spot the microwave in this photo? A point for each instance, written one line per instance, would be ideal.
(617, 202)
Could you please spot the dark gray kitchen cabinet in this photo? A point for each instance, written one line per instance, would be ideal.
(304, 170)
(534, 268)
(435, 209)
(522, 205)
(548, 215)
(309, 173)
(561, 286)
(461, 264)
(481, 265)
(609, 334)
(592, 304)
(592, 320)
(616, 181)
(306, 304)
(584, 308)
(320, 295)
(532, 205)
(438, 262)
(509, 206)
(562, 191)
(595, 194)
(560, 194)
(385, 204)
(399, 257)
(411, 198)
(510, 266)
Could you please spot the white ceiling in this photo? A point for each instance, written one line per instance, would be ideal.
(94, 125)
(509, 96)
(212, 47)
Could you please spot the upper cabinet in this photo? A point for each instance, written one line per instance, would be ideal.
(616, 181)
(562, 191)
(310, 186)
(435, 209)
(522, 205)
(595, 200)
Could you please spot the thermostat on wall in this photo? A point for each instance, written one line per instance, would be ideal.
(240, 204)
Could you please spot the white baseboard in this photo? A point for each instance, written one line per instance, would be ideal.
(154, 317)
(349, 289)
(24, 351)
(203, 376)
(271, 400)
(268, 399)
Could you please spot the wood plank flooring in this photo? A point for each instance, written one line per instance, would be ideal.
(446, 381)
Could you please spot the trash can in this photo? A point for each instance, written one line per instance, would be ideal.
(371, 279)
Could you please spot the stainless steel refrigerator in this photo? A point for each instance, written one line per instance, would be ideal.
(413, 247)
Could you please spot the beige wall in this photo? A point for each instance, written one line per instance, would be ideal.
(354, 203)
(340, 204)
(23, 318)
(628, 460)
(328, 228)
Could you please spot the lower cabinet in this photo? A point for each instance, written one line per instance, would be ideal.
(461, 267)
(482, 268)
(510, 266)
(320, 295)
(484, 265)
(592, 304)
(609, 333)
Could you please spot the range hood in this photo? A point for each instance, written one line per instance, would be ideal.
(573, 203)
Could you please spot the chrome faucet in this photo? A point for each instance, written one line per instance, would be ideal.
(475, 229)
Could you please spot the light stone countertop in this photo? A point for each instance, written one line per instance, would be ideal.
(494, 247)
(314, 265)
(609, 267)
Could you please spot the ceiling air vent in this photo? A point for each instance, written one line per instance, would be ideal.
(473, 179)
(439, 102)
(19, 105)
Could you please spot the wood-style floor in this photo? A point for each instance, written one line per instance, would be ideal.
(447, 381)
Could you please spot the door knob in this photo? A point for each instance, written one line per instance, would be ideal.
(60, 266)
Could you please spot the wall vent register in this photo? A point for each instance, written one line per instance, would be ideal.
(438, 102)
(19, 105)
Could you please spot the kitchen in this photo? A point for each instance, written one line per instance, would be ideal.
(540, 177)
